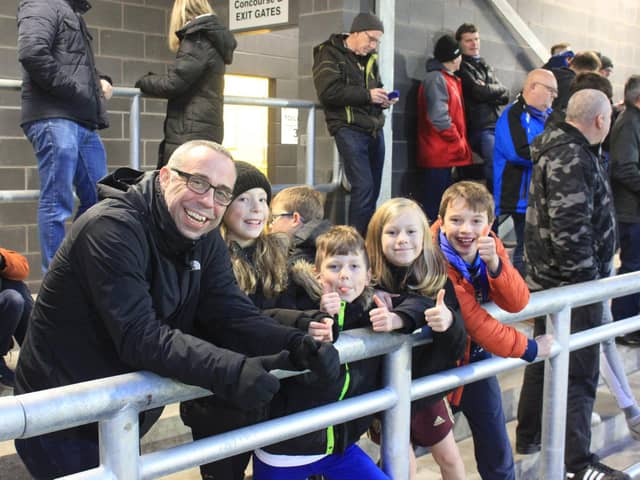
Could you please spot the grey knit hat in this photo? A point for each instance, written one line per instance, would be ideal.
(250, 177)
(366, 21)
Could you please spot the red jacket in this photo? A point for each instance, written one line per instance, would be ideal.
(16, 266)
(508, 291)
(442, 130)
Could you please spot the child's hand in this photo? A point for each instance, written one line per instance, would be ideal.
(382, 320)
(322, 331)
(330, 300)
(439, 317)
(487, 250)
(386, 297)
(545, 342)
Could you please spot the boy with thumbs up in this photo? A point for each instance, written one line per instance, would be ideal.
(480, 271)
(340, 284)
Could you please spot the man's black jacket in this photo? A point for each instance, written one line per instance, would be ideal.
(126, 291)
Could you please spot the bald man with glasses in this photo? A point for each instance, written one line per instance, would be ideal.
(518, 125)
(143, 281)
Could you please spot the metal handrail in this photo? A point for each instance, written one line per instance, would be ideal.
(116, 401)
(134, 134)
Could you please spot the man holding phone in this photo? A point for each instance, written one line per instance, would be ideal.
(347, 80)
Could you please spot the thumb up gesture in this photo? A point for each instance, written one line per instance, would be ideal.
(330, 300)
(439, 317)
(382, 320)
(487, 250)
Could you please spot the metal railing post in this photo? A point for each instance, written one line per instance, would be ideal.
(395, 422)
(120, 444)
(134, 133)
(310, 174)
(554, 409)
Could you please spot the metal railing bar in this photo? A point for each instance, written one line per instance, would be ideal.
(266, 433)
(112, 399)
(555, 299)
(74, 404)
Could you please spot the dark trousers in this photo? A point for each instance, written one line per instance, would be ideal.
(481, 404)
(518, 251)
(434, 182)
(62, 453)
(15, 307)
(629, 305)
(363, 158)
(57, 454)
(584, 366)
(482, 142)
(210, 416)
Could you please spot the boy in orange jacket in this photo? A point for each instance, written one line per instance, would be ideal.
(480, 271)
(15, 307)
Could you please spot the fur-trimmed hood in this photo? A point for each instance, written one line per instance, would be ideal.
(304, 274)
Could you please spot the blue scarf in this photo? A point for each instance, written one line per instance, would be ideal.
(475, 273)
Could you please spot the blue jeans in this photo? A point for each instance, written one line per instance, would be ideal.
(629, 305)
(68, 155)
(482, 142)
(363, 158)
(481, 404)
(353, 464)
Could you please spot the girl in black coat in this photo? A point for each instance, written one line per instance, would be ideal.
(194, 85)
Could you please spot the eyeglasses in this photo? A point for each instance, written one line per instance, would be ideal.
(197, 184)
(372, 39)
(553, 91)
(276, 216)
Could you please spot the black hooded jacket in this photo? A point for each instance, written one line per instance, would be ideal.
(126, 291)
(59, 76)
(194, 85)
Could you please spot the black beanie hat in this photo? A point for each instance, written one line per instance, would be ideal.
(250, 177)
(366, 21)
(446, 49)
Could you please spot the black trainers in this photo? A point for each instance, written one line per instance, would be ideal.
(7, 377)
(598, 471)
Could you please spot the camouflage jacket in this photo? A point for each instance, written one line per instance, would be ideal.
(570, 225)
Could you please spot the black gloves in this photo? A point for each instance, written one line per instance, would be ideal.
(319, 357)
(256, 386)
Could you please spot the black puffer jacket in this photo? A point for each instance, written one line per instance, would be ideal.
(58, 68)
(483, 93)
(194, 84)
(343, 80)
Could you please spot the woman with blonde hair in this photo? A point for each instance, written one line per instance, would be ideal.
(194, 85)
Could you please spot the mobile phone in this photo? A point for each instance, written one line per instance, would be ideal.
(393, 94)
